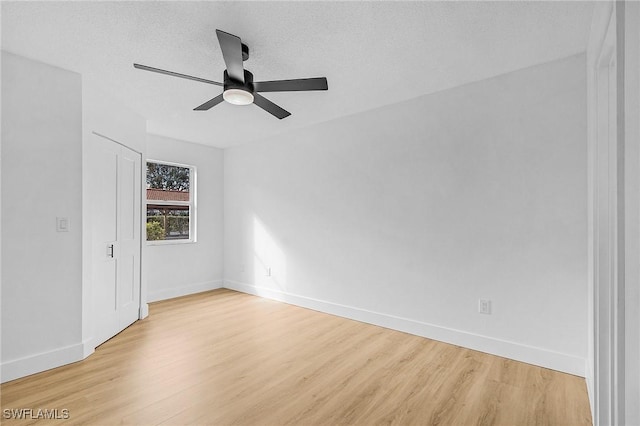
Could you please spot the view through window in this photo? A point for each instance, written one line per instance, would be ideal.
(169, 201)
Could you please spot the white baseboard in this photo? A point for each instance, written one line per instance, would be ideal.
(32, 364)
(87, 348)
(144, 311)
(516, 351)
(170, 293)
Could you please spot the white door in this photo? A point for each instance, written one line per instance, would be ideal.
(115, 197)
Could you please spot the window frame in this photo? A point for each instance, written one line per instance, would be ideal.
(191, 204)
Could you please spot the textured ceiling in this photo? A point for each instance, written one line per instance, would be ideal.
(372, 53)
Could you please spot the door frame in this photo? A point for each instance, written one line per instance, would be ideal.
(605, 370)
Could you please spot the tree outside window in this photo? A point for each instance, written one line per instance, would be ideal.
(169, 202)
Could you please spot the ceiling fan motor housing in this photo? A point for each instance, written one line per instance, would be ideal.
(247, 86)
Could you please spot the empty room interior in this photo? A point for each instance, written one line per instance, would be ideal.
(276, 212)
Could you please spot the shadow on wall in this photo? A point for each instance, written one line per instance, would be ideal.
(269, 261)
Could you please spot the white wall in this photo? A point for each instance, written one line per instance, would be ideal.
(41, 180)
(178, 269)
(405, 216)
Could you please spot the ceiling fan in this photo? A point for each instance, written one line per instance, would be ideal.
(239, 87)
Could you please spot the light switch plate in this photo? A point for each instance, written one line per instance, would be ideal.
(62, 224)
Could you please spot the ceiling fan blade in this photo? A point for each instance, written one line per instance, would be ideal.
(232, 53)
(300, 84)
(210, 103)
(270, 107)
(175, 74)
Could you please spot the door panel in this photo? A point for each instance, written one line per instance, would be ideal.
(128, 206)
(129, 236)
(104, 235)
(115, 181)
(127, 279)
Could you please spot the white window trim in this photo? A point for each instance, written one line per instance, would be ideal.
(193, 210)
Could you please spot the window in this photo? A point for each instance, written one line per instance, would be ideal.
(170, 202)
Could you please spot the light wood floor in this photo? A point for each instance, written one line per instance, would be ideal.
(226, 358)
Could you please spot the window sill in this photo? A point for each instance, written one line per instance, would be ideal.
(169, 242)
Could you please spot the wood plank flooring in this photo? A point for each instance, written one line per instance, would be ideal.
(227, 358)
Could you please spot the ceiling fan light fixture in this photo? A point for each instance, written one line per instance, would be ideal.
(238, 96)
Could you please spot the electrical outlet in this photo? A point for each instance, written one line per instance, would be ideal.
(484, 306)
(269, 271)
(242, 268)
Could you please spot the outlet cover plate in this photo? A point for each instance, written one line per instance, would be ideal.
(484, 306)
